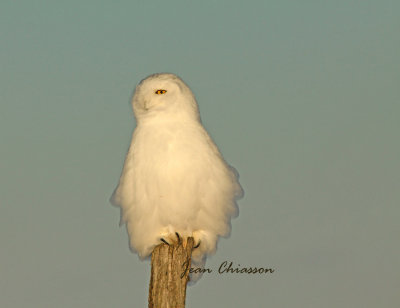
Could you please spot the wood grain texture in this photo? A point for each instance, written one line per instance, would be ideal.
(168, 276)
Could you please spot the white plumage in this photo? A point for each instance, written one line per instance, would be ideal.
(174, 178)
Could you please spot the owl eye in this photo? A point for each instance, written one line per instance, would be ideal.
(160, 91)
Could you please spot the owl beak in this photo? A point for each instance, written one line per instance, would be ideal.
(146, 105)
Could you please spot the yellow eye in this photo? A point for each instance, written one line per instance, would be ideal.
(160, 91)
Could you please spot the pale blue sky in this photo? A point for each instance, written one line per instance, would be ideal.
(302, 97)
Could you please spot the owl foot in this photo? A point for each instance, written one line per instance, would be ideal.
(164, 241)
(179, 238)
(197, 246)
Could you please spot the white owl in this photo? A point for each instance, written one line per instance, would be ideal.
(174, 180)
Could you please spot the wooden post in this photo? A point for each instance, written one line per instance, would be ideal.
(170, 266)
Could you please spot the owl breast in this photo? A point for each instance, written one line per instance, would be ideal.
(178, 167)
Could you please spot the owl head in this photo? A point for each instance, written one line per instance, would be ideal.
(164, 95)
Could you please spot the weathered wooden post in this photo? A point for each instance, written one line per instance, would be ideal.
(168, 275)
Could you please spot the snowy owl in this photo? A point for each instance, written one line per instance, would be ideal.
(174, 181)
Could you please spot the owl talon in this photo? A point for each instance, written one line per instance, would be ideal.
(164, 241)
(197, 246)
(179, 238)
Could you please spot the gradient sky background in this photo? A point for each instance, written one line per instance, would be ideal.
(302, 97)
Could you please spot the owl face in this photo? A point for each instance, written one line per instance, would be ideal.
(161, 94)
